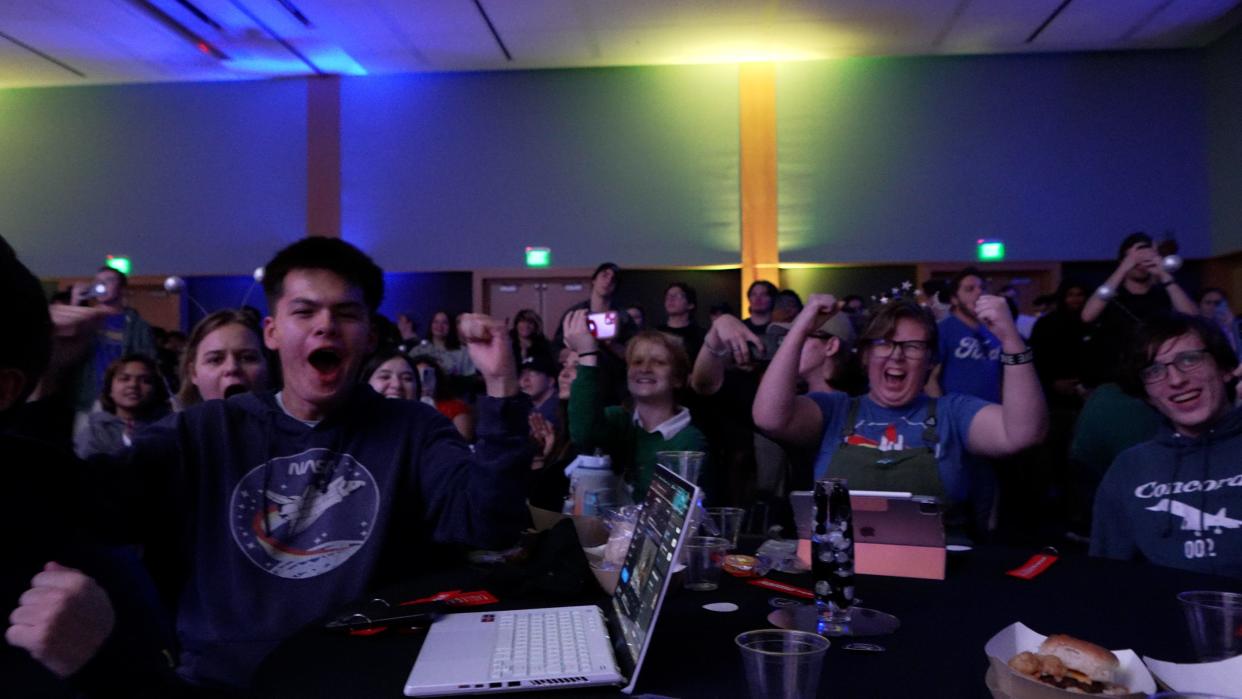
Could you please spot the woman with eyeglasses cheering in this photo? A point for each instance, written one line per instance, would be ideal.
(1177, 500)
(896, 437)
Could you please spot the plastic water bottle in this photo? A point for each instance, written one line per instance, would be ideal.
(832, 559)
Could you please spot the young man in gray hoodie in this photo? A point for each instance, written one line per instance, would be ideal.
(1177, 500)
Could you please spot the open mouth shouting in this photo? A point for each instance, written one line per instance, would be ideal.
(328, 364)
(234, 389)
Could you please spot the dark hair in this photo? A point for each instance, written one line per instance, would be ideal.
(189, 395)
(1160, 329)
(531, 316)
(451, 341)
(1211, 289)
(1063, 290)
(955, 283)
(884, 323)
(122, 277)
(381, 357)
(787, 296)
(1131, 240)
(772, 290)
(542, 362)
(724, 307)
(851, 298)
(331, 254)
(443, 391)
(386, 332)
(28, 326)
(936, 288)
(603, 266)
(692, 296)
(156, 404)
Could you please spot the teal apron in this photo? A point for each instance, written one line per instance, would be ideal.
(913, 470)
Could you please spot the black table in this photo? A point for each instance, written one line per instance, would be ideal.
(938, 650)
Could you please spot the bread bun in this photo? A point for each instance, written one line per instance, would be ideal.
(1096, 663)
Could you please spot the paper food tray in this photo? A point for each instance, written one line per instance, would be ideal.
(1223, 677)
(1017, 637)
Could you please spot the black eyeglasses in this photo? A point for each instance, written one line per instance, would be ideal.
(1185, 362)
(910, 349)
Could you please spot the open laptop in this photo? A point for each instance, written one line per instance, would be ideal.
(552, 647)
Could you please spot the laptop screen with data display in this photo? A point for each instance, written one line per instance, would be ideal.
(648, 564)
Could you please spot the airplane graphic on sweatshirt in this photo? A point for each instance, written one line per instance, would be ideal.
(1194, 519)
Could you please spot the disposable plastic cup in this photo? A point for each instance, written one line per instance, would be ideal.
(728, 521)
(687, 464)
(782, 664)
(1214, 620)
(620, 522)
(704, 556)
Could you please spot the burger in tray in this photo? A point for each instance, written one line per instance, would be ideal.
(1024, 664)
(1072, 664)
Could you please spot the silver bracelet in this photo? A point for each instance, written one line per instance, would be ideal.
(1105, 292)
(722, 353)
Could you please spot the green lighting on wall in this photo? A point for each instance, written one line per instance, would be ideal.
(991, 250)
(538, 257)
(120, 264)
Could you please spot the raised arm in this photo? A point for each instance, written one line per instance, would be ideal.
(1021, 420)
(588, 427)
(1182, 303)
(1095, 302)
(727, 340)
(778, 410)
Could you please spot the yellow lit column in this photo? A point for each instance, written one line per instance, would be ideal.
(757, 173)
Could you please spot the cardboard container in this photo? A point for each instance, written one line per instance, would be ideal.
(1222, 677)
(1009, 684)
(897, 560)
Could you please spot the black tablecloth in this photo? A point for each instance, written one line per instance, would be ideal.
(937, 652)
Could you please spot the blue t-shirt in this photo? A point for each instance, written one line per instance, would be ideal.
(902, 428)
(109, 346)
(969, 360)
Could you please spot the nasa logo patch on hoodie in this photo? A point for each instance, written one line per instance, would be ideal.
(303, 515)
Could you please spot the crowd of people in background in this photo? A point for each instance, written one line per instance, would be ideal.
(1094, 420)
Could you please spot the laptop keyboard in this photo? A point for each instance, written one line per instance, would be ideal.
(543, 642)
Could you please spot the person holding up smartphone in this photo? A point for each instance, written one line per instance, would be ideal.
(612, 359)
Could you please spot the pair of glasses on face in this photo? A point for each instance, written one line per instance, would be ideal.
(910, 349)
(1185, 362)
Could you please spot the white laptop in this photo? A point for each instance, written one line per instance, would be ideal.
(530, 649)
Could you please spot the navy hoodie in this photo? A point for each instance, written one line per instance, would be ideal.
(273, 524)
(1176, 501)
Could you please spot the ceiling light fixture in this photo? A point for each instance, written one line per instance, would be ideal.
(180, 29)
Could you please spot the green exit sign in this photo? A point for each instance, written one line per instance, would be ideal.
(538, 257)
(991, 250)
(120, 264)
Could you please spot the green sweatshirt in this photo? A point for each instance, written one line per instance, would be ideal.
(613, 430)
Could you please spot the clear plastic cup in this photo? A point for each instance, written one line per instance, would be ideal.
(782, 664)
(687, 464)
(620, 522)
(704, 557)
(728, 521)
(1215, 623)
